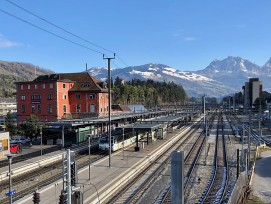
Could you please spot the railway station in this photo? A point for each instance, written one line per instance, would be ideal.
(97, 177)
(103, 178)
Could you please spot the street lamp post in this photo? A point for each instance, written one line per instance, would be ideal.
(11, 192)
(205, 129)
(40, 140)
(89, 157)
(123, 142)
(63, 135)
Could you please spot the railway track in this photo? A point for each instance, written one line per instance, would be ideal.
(216, 186)
(191, 161)
(29, 182)
(134, 191)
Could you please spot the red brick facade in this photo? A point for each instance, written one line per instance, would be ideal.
(62, 96)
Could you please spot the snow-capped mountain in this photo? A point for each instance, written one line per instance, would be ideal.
(220, 78)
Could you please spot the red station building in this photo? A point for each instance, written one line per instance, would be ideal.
(62, 96)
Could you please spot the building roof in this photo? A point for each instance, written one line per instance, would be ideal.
(83, 81)
(137, 108)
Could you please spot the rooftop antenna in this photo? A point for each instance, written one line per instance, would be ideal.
(86, 66)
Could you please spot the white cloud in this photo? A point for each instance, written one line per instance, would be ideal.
(178, 33)
(5, 43)
(189, 38)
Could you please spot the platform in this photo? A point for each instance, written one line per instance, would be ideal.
(103, 178)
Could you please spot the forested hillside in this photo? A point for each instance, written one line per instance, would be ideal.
(148, 93)
(11, 72)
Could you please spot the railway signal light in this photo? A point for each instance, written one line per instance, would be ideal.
(74, 177)
(62, 198)
(78, 197)
(36, 197)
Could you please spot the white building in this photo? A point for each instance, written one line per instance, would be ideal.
(4, 144)
(7, 105)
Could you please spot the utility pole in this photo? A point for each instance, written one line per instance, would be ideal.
(205, 124)
(109, 103)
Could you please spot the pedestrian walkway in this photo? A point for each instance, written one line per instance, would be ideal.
(102, 177)
(261, 181)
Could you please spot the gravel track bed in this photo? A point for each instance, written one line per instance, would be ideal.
(152, 193)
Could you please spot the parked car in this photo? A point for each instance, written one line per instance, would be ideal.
(17, 141)
(14, 148)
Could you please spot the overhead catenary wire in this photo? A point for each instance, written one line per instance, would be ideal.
(60, 28)
(47, 31)
(66, 31)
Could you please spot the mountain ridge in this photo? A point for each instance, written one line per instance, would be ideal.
(219, 78)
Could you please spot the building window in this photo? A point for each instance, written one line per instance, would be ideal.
(33, 109)
(23, 97)
(28, 86)
(35, 97)
(39, 108)
(64, 108)
(78, 108)
(64, 96)
(22, 87)
(36, 86)
(51, 86)
(64, 86)
(23, 108)
(77, 96)
(92, 96)
(50, 110)
(49, 97)
(43, 86)
(92, 108)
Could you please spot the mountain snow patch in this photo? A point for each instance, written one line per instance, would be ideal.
(188, 76)
(145, 74)
(170, 69)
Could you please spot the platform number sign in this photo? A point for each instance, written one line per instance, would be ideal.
(11, 193)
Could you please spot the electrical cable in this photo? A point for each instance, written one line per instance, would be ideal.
(47, 31)
(64, 30)
(43, 19)
(60, 28)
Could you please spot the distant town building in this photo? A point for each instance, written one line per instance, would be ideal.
(7, 105)
(62, 96)
(4, 144)
(252, 91)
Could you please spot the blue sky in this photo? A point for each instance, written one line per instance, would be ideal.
(186, 35)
